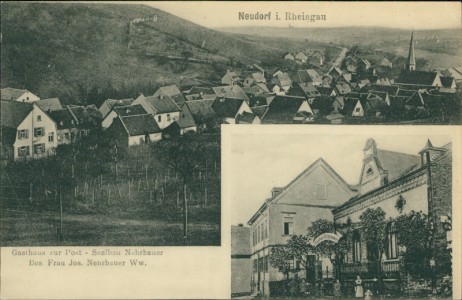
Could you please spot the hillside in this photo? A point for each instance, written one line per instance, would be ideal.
(78, 50)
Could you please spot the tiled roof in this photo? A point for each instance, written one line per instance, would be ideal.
(446, 81)
(130, 110)
(343, 88)
(309, 75)
(11, 93)
(227, 107)
(119, 102)
(397, 164)
(49, 104)
(201, 90)
(201, 109)
(417, 77)
(7, 135)
(186, 119)
(140, 124)
(282, 110)
(85, 115)
(172, 91)
(349, 105)
(63, 118)
(259, 110)
(282, 79)
(240, 240)
(390, 89)
(245, 117)
(230, 91)
(258, 77)
(325, 90)
(162, 104)
(13, 113)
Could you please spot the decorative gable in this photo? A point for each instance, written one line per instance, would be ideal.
(372, 174)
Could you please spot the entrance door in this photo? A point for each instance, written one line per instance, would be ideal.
(311, 273)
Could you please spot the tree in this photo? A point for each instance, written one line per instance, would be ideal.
(373, 233)
(185, 155)
(279, 258)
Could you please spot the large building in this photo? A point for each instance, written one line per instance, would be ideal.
(419, 183)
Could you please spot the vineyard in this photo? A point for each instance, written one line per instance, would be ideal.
(136, 188)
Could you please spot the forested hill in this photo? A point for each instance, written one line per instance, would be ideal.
(84, 51)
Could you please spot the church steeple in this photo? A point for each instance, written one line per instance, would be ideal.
(410, 63)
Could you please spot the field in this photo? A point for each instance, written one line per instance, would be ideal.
(34, 229)
(129, 199)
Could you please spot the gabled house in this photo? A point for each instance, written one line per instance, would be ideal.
(316, 59)
(228, 109)
(88, 118)
(342, 88)
(108, 104)
(281, 83)
(384, 62)
(231, 78)
(49, 104)
(66, 126)
(328, 91)
(202, 112)
(256, 77)
(123, 111)
(448, 82)
(301, 57)
(233, 91)
(19, 95)
(186, 122)
(310, 75)
(417, 79)
(27, 132)
(171, 91)
(134, 130)
(290, 211)
(163, 108)
(288, 56)
(336, 73)
(288, 110)
(306, 90)
(248, 118)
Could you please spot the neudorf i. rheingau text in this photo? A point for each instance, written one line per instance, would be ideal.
(285, 16)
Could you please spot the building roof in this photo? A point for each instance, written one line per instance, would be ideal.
(325, 90)
(85, 115)
(282, 109)
(162, 104)
(140, 124)
(110, 103)
(259, 110)
(11, 94)
(172, 91)
(49, 104)
(417, 77)
(259, 77)
(309, 75)
(447, 81)
(245, 117)
(130, 110)
(343, 88)
(397, 164)
(186, 119)
(63, 118)
(227, 107)
(230, 91)
(390, 89)
(306, 90)
(201, 109)
(13, 113)
(199, 90)
(411, 56)
(240, 241)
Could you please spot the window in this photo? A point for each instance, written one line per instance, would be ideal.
(39, 148)
(265, 264)
(39, 132)
(369, 172)
(258, 233)
(255, 265)
(358, 109)
(356, 247)
(288, 226)
(66, 135)
(159, 118)
(39, 118)
(23, 151)
(23, 134)
(392, 251)
(321, 191)
(168, 117)
(265, 230)
(51, 137)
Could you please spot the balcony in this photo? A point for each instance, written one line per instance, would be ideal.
(369, 270)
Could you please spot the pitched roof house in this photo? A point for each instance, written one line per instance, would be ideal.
(419, 78)
(49, 104)
(127, 110)
(288, 110)
(171, 91)
(228, 109)
(233, 91)
(19, 95)
(163, 108)
(27, 132)
(134, 130)
(310, 75)
(108, 104)
(231, 78)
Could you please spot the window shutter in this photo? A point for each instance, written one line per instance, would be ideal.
(27, 150)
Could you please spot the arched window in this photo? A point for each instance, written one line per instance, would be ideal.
(356, 247)
(392, 247)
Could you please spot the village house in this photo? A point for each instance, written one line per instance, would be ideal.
(19, 95)
(418, 79)
(306, 90)
(288, 110)
(163, 108)
(231, 78)
(66, 126)
(27, 131)
(256, 77)
(228, 109)
(288, 56)
(384, 62)
(316, 59)
(171, 91)
(233, 91)
(108, 104)
(310, 75)
(248, 118)
(126, 131)
(186, 122)
(281, 83)
(127, 110)
(301, 57)
(202, 112)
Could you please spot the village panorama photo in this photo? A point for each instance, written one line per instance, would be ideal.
(351, 214)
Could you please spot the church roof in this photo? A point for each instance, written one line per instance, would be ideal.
(411, 55)
(397, 164)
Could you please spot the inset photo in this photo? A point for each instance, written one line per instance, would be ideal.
(348, 214)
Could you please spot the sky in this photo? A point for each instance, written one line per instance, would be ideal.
(259, 162)
(406, 15)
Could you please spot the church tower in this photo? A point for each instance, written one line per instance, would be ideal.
(410, 63)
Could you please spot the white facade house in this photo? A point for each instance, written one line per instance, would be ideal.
(19, 95)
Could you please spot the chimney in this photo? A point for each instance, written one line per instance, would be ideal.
(276, 191)
(240, 225)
